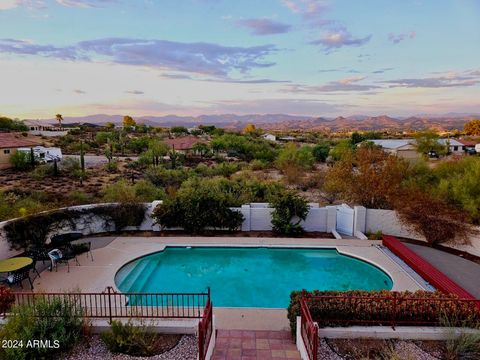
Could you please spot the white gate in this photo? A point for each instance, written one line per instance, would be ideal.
(345, 220)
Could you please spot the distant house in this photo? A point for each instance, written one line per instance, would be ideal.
(404, 148)
(269, 137)
(455, 147)
(9, 144)
(182, 144)
(40, 128)
(470, 145)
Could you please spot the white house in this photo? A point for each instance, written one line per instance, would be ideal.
(455, 147)
(269, 137)
(40, 128)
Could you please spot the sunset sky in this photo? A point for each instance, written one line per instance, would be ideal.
(191, 57)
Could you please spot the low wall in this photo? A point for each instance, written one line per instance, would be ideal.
(388, 222)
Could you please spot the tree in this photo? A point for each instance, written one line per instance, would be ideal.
(342, 149)
(472, 127)
(59, 118)
(109, 126)
(156, 150)
(13, 125)
(289, 211)
(459, 184)
(197, 206)
(249, 128)
(179, 130)
(293, 161)
(128, 121)
(371, 177)
(432, 217)
(427, 141)
(201, 148)
(321, 151)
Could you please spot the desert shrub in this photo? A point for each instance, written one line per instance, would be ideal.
(112, 166)
(167, 177)
(43, 171)
(293, 161)
(6, 299)
(78, 197)
(258, 164)
(71, 167)
(196, 207)
(379, 310)
(320, 151)
(137, 339)
(20, 160)
(289, 210)
(142, 191)
(56, 320)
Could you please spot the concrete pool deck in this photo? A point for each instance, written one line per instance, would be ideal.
(95, 276)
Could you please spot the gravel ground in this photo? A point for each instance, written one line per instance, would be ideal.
(187, 349)
(405, 350)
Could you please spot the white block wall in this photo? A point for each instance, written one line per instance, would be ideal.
(387, 222)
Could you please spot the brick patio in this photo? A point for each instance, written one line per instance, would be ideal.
(254, 345)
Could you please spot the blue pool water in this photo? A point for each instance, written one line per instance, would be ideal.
(249, 277)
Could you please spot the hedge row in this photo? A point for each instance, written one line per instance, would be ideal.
(432, 309)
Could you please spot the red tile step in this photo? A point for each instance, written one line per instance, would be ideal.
(254, 345)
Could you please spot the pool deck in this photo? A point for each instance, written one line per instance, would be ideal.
(110, 254)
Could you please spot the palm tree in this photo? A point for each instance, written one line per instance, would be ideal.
(59, 119)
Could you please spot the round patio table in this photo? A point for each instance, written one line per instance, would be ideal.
(14, 264)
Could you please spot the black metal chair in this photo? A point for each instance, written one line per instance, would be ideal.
(57, 257)
(17, 277)
(38, 254)
(63, 242)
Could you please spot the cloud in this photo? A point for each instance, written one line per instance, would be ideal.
(134, 92)
(381, 71)
(452, 79)
(85, 3)
(311, 11)
(264, 26)
(223, 79)
(78, 91)
(204, 58)
(341, 85)
(29, 4)
(397, 38)
(25, 47)
(335, 39)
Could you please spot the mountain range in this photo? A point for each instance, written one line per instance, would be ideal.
(290, 122)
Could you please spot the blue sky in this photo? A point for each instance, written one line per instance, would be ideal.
(190, 57)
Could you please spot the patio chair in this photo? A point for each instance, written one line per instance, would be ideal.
(57, 257)
(37, 254)
(17, 277)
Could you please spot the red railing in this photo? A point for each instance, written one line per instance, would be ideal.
(393, 310)
(309, 330)
(111, 304)
(205, 330)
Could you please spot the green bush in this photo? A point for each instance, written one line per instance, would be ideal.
(137, 340)
(289, 210)
(142, 191)
(337, 312)
(20, 160)
(57, 321)
(195, 208)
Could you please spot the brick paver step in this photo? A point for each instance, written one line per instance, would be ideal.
(254, 345)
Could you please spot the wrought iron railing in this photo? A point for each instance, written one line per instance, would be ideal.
(205, 331)
(111, 304)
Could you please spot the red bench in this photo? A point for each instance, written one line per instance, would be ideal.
(426, 270)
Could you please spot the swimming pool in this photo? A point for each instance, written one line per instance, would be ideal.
(249, 277)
